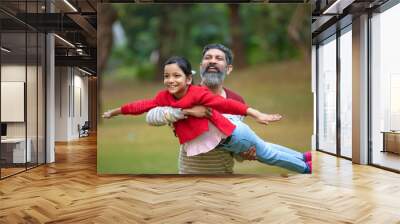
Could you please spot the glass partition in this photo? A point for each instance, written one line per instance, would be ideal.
(22, 88)
(13, 96)
(327, 95)
(385, 89)
(41, 85)
(346, 92)
(31, 99)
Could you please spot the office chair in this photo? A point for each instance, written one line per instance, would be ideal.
(84, 130)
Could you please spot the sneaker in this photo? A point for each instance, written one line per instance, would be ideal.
(307, 156)
(309, 166)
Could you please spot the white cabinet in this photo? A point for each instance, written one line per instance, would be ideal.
(17, 146)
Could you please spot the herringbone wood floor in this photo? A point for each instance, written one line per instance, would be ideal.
(70, 191)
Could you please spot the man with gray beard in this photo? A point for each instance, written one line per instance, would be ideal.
(212, 77)
(216, 64)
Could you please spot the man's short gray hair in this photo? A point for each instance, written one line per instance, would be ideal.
(227, 51)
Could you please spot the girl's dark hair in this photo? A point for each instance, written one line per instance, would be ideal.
(182, 62)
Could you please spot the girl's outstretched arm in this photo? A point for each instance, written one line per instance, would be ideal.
(263, 118)
(135, 108)
(139, 106)
(111, 113)
(230, 106)
(223, 105)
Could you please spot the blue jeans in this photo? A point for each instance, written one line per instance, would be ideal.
(243, 138)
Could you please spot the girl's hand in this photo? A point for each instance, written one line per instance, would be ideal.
(112, 113)
(107, 115)
(261, 117)
(266, 118)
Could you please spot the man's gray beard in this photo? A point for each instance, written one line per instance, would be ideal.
(212, 79)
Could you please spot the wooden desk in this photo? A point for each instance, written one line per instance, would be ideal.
(391, 141)
(16, 147)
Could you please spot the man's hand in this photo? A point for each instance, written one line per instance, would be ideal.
(198, 111)
(249, 154)
(172, 115)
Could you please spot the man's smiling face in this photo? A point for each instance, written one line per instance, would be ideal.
(213, 68)
(213, 61)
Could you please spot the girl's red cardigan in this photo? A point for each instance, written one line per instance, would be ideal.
(192, 127)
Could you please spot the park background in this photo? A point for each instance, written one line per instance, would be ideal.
(271, 45)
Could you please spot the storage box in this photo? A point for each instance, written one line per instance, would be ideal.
(391, 142)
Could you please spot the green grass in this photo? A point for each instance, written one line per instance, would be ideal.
(128, 145)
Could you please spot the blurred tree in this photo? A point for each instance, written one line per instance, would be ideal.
(237, 40)
(107, 18)
(300, 19)
(167, 35)
(256, 33)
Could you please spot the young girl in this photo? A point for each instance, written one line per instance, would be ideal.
(199, 135)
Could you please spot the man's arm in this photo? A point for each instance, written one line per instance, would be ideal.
(160, 116)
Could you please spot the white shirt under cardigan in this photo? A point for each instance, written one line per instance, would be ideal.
(208, 140)
(205, 142)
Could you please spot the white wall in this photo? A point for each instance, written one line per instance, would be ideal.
(71, 94)
(61, 103)
(13, 73)
(81, 100)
